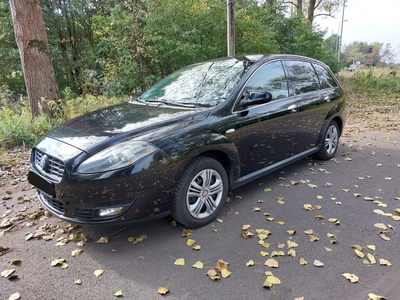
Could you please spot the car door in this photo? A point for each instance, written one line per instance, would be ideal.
(267, 132)
(313, 103)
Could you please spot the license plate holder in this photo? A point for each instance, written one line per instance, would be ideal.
(41, 183)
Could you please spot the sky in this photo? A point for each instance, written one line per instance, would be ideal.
(367, 21)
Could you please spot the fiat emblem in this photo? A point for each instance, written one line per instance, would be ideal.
(44, 163)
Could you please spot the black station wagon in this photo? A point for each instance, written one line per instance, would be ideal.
(178, 148)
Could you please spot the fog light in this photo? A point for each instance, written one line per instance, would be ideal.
(111, 211)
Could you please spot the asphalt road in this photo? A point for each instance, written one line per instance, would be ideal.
(367, 165)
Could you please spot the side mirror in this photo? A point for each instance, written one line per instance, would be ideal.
(256, 98)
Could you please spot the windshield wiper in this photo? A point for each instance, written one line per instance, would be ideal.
(162, 101)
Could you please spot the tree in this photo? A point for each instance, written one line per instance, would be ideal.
(31, 38)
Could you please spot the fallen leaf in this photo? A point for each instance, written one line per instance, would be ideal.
(291, 232)
(197, 247)
(7, 273)
(328, 249)
(292, 244)
(15, 296)
(353, 278)
(78, 282)
(318, 263)
(76, 252)
(380, 226)
(292, 253)
(190, 242)
(270, 281)
(98, 272)
(225, 273)
(250, 263)
(359, 253)
(309, 231)
(162, 290)
(371, 258)
(221, 265)
(302, 261)
(245, 227)
(56, 262)
(103, 240)
(179, 262)
(118, 293)
(272, 263)
(198, 265)
(263, 253)
(384, 262)
(375, 297)
(186, 232)
(372, 247)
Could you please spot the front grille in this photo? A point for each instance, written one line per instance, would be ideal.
(84, 213)
(53, 203)
(56, 166)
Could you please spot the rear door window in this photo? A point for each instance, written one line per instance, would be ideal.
(303, 77)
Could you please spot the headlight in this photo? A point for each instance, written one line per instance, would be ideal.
(116, 157)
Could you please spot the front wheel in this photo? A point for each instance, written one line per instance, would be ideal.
(330, 142)
(200, 192)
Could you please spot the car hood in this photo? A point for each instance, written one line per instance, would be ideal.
(127, 119)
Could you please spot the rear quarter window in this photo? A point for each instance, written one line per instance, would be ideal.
(326, 79)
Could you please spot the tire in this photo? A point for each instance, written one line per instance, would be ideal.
(200, 192)
(330, 142)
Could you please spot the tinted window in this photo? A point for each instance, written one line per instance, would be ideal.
(325, 77)
(303, 76)
(270, 78)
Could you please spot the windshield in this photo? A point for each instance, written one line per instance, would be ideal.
(203, 84)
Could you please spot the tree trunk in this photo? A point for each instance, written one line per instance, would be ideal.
(31, 37)
(311, 9)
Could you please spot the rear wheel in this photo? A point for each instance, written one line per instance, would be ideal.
(330, 142)
(200, 192)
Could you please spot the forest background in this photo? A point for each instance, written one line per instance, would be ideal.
(105, 51)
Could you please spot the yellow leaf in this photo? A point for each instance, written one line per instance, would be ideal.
(292, 244)
(313, 186)
(186, 232)
(371, 258)
(281, 223)
(272, 263)
(309, 231)
(78, 281)
(270, 219)
(292, 253)
(375, 297)
(245, 227)
(307, 206)
(358, 247)
(198, 265)
(118, 293)
(98, 272)
(319, 217)
(328, 249)
(346, 190)
(76, 252)
(7, 273)
(384, 262)
(219, 221)
(56, 262)
(380, 226)
(250, 263)
(291, 232)
(179, 262)
(313, 238)
(197, 247)
(319, 197)
(372, 247)
(103, 240)
(162, 290)
(190, 242)
(277, 253)
(15, 261)
(225, 273)
(271, 280)
(359, 253)
(64, 266)
(263, 253)
(302, 261)
(353, 278)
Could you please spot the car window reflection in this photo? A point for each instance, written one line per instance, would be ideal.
(303, 76)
